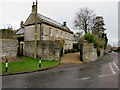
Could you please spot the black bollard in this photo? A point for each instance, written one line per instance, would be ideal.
(6, 65)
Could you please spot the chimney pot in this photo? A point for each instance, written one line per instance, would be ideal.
(33, 3)
(21, 24)
(64, 24)
(33, 7)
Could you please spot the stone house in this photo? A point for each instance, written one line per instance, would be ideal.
(47, 29)
(49, 35)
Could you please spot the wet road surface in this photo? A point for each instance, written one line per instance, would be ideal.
(102, 73)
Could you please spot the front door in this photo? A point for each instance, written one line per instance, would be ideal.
(21, 48)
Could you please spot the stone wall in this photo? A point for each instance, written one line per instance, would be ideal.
(46, 50)
(9, 47)
(101, 52)
(89, 52)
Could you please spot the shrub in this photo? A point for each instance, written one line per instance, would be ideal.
(74, 50)
(69, 51)
(98, 42)
(66, 51)
(89, 37)
(7, 34)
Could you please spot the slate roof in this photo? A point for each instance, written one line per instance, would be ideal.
(20, 31)
(49, 21)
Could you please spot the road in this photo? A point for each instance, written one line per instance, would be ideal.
(102, 73)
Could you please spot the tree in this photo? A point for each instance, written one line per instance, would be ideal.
(99, 29)
(7, 34)
(78, 35)
(84, 19)
(99, 26)
(106, 40)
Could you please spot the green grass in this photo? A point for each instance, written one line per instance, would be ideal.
(27, 64)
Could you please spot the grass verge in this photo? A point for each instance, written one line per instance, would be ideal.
(26, 64)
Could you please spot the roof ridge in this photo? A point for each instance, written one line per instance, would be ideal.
(49, 18)
(44, 18)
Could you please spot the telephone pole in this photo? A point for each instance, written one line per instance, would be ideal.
(35, 33)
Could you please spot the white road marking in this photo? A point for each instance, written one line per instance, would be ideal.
(116, 66)
(98, 76)
(106, 75)
(112, 68)
(86, 78)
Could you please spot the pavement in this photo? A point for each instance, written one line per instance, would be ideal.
(102, 73)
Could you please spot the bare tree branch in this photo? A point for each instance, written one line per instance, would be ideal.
(84, 19)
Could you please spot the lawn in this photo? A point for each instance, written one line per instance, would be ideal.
(27, 64)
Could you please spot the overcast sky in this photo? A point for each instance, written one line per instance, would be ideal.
(14, 11)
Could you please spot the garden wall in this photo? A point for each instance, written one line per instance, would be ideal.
(8, 47)
(89, 53)
(46, 50)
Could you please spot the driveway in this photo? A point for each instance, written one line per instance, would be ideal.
(71, 58)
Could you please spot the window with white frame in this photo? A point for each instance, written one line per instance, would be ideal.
(69, 36)
(50, 31)
(66, 35)
(56, 33)
(61, 34)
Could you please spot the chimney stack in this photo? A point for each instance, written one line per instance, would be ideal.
(33, 7)
(64, 24)
(21, 24)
